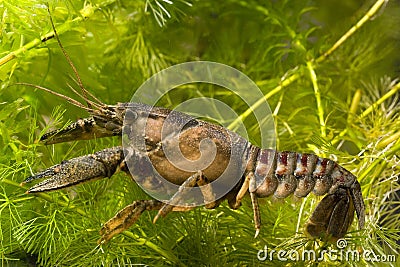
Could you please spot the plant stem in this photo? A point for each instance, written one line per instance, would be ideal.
(86, 11)
(369, 110)
(286, 82)
(382, 159)
(371, 12)
(48, 198)
(317, 93)
(354, 106)
(170, 256)
(274, 91)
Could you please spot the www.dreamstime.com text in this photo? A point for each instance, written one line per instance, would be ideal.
(340, 254)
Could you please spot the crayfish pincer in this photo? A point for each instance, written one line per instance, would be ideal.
(245, 169)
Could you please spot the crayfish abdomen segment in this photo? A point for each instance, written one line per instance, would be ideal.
(284, 173)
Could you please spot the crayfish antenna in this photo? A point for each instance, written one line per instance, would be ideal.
(91, 105)
(85, 92)
(69, 99)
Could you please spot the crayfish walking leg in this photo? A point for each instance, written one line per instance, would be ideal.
(196, 179)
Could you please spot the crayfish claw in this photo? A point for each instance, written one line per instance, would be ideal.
(82, 129)
(78, 170)
(46, 173)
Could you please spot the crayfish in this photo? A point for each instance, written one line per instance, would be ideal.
(282, 173)
(227, 167)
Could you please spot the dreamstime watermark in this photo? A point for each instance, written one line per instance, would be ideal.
(205, 145)
(342, 253)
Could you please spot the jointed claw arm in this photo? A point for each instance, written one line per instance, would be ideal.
(101, 164)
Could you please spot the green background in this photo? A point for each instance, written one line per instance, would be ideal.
(342, 105)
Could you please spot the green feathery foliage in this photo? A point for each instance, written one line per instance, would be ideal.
(328, 69)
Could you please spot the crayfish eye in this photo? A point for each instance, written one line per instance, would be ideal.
(130, 116)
